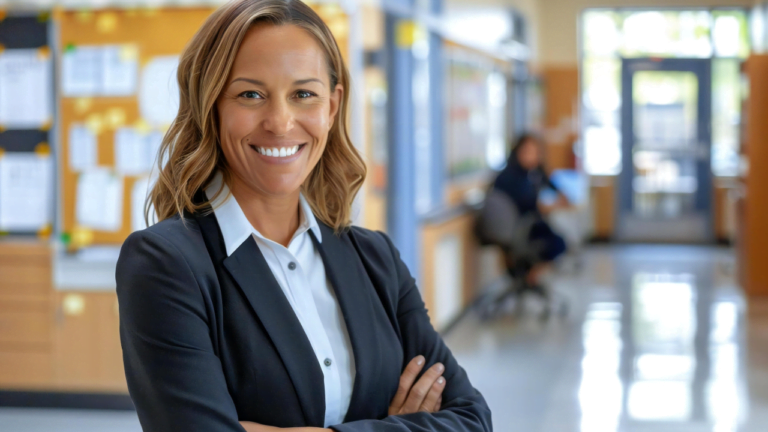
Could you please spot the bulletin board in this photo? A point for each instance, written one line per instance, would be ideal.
(26, 116)
(148, 34)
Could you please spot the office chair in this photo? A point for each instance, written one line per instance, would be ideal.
(500, 224)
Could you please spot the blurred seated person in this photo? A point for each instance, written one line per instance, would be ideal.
(522, 180)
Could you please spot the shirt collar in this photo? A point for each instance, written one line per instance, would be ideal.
(233, 224)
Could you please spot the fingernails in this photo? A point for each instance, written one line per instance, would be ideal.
(440, 367)
(440, 380)
(419, 360)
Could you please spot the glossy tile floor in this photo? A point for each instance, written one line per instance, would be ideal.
(657, 339)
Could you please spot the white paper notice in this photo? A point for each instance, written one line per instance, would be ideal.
(159, 92)
(131, 153)
(83, 151)
(119, 70)
(81, 69)
(138, 199)
(26, 96)
(154, 141)
(26, 192)
(100, 200)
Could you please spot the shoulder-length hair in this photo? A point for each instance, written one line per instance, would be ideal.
(190, 154)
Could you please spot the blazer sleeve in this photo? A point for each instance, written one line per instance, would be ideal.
(174, 378)
(463, 408)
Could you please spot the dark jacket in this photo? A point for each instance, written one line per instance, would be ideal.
(209, 340)
(523, 186)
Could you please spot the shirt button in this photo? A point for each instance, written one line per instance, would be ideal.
(327, 362)
(291, 265)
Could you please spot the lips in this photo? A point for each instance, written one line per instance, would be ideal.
(278, 152)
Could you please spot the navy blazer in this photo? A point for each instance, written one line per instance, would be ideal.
(210, 340)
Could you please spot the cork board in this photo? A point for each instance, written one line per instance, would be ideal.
(154, 33)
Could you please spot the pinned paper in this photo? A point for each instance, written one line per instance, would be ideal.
(139, 196)
(81, 69)
(159, 92)
(120, 70)
(26, 192)
(26, 95)
(130, 152)
(109, 70)
(154, 142)
(83, 149)
(99, 200)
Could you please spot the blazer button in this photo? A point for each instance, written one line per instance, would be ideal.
(291, 265)
(327, 362)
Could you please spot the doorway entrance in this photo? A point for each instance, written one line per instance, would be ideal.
(665, 185)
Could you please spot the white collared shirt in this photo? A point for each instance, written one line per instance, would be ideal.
(300, 272)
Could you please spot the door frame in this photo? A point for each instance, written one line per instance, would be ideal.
(702, 68)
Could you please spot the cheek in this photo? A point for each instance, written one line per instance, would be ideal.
(316, 121)
(235, 122)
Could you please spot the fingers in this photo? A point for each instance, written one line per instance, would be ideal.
(406, 382)
(420, 390)
(438, 404)
(435, 392)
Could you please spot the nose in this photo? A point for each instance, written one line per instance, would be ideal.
(279, 119)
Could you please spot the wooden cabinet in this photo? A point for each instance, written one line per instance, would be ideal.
(86, 342)
(26, 360)
(54, 340)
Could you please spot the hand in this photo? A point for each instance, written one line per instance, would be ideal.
(426, 395)
(255, 427)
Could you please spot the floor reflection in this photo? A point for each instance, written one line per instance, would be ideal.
(656, 342)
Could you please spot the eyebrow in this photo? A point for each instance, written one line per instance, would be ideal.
(257, 82)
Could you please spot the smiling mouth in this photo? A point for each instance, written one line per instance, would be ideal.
(278, 152)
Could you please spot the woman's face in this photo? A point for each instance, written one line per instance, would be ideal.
(528, 155)
(276, 109)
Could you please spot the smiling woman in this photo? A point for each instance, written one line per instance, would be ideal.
(253, 304)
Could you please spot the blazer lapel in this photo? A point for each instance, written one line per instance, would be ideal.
(355, 294)
(252, 274)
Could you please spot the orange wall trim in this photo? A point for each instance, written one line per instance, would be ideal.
(756, 203)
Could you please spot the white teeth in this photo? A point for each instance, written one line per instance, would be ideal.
(278, 152)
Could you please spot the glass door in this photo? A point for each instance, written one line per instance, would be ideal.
(665, 183)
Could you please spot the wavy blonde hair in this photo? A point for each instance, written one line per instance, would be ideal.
(191, 154)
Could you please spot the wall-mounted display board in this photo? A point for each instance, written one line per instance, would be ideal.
(476, 110)
(26, 117)
(119, 94)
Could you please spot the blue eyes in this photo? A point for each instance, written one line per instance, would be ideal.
(250, 94)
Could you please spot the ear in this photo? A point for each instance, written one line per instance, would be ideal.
(336, 96)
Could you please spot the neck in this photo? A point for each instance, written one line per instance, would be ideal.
(276, 217)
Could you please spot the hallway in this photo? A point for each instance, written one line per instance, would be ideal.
(656, 340)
